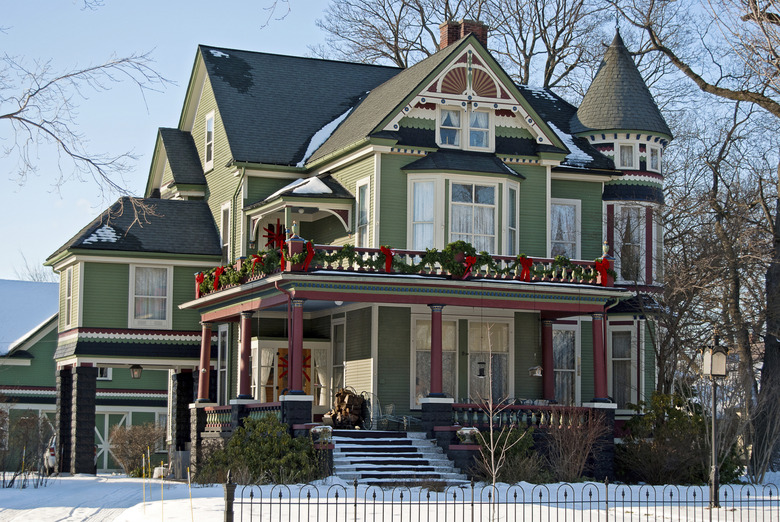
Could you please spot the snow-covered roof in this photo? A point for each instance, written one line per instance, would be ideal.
(24, 306)
(300, 186)
(321, 136)
(577, 157)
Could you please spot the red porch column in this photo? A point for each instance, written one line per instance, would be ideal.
(436, 351)
(548, 365)
(599, 359)
(296, 354)
(244, 375)
(205, 362)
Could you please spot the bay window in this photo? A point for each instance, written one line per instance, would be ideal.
(423, 201)
(150, 297)
(565, 228)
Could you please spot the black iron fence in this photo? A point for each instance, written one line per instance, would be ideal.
(569, 502)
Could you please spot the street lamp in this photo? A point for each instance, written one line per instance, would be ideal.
(714, 366)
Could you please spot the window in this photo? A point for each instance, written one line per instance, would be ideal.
(104, 374)
(423, 198)
(654, 162)
(626, 156)
(565, 228)
(473, 215)
(150, 299)
(339, 348)
(225, 233)
(449, 345)
(488, 361)
(209, 146)
(564, 364)
(362, 216)
(69, 296)
(477, 128)
(223, 364)
(630, 234)
(621, 385)
(511, 222)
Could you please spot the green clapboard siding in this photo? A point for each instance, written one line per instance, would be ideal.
(259, 188)
(184, 291)
(42, 368)
(394, 356)
(106, 287)
(349, 177)
(532, 228)
(327, 231)
(591, 207)
(392, 227)
(528, 353)
(587, 389)
(150, 380)
(358, 335)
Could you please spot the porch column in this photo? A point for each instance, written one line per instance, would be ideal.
(548, 365)
(244, 375)
(296, 354)
(82, 457)
(436, 351)
(205, 362)
(599, 359)
(64, 417)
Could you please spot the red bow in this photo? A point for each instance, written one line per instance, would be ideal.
(256, 259)
(470, 260)
(217, 273)
(309, 256)
(525, 273)
(388, 258)
(602, 266)
(199, 277)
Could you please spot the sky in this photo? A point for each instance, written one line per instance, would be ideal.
(37, 217)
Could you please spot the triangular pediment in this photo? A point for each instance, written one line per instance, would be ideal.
(471, 77)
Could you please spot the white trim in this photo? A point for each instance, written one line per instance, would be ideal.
(377, 185)
(68, 319)
(374, 348)
(505, 220)
(109, 373)
(619, 206)
(634, 155)
(464, 131)
(474, 180)
(577, 329)
(80, 300)
(438, 209)
(131, 260)
(164, 324)
(226, 229)
(363, 182)
(223, 351)
(648, 152)
(632, 330)
(577, 204)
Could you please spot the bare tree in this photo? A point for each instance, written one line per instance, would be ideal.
(35, 272)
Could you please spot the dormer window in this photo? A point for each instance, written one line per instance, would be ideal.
(627, 157)
(451, 127)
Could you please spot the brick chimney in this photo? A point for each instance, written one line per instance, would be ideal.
(452, 31)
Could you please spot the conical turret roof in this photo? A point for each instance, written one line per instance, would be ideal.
(618, 98)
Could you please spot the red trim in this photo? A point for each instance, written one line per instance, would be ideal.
(621, 323)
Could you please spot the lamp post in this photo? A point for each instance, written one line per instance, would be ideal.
(714, 365)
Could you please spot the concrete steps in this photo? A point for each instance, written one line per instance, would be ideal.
(391, 457)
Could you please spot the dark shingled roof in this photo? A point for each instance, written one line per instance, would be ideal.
(179, 227)
(382, 100)
(622, 192)
(461, 161)
(337, 192)
(554, 109)
(182, 157)
(618, 98)
(245, 82)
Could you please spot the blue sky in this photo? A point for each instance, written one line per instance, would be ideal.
(36, 218)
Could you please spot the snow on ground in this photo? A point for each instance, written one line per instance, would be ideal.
(122, 499)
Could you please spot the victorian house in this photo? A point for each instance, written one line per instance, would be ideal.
(433, 236)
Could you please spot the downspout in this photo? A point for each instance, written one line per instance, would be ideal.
(241, 212)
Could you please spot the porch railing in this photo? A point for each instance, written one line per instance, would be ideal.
(261, 409)
(530, 416)
(219, 419)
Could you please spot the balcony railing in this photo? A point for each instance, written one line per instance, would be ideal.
(457, 261)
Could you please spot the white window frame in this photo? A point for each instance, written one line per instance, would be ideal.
(163, 324)
(475, 181)
(508, 230)
(363, 239)
(650, 149)
(438, 210)
(510, 377)
(577, 204)
(224, 231)
(634, 385)
(634, 156)
(416, 318)
(208, 145)
(464, 131)
(576, 328)
(223, 364)
(69, 296)
(341, 322)
(618, 235)
(107, 373)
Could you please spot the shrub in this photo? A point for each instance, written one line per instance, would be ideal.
(521, 463)
(669, 445)
(263, 452)
(129, 444)
(574, 438)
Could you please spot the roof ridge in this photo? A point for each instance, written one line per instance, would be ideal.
(314, 58)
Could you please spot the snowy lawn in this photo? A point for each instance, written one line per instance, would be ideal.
(109, 497)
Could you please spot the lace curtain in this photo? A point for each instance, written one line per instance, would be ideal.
(151, 289)
(563, 230)
(422, 215)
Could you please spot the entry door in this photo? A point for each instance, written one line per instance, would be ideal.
(275, 372)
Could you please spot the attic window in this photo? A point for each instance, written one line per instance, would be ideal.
(477, 129)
